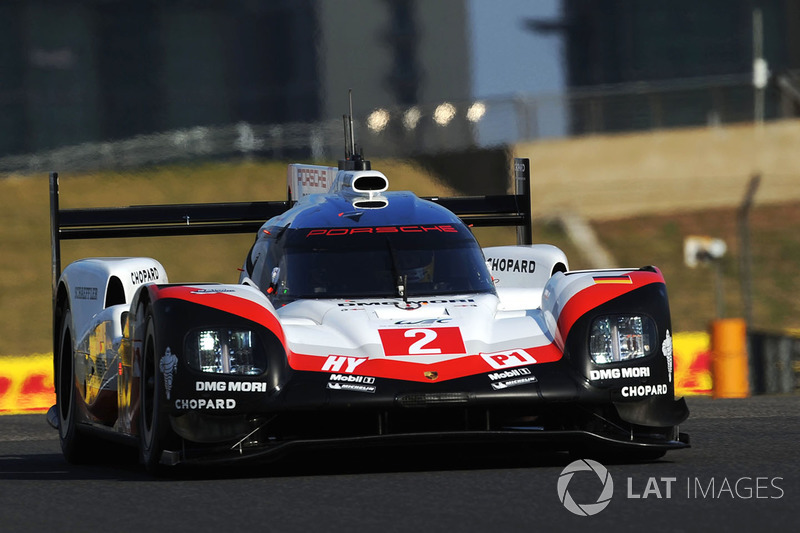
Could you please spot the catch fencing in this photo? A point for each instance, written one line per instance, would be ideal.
(774, 363)
(435, 128)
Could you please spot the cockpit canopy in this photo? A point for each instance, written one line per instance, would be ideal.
(374, 262)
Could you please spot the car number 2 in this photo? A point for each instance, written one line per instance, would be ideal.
(428, 336)
(422, 341)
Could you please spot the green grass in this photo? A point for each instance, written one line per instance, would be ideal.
(775, 246)
(25, 287)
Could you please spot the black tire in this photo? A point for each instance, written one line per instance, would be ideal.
(77, 447)
(155, 433)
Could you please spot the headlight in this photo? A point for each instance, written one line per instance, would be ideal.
(621, 338)
(226, 351)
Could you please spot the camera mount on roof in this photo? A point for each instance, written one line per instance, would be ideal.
(353, 157)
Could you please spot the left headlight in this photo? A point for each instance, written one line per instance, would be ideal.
(226, 351)
(617, 338)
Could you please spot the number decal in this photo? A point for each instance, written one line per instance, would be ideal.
(418, 348)
(422, 341)
(511, 358)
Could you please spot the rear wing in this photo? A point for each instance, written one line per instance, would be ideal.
(248, 217)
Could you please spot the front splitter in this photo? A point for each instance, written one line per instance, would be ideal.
(560, 440)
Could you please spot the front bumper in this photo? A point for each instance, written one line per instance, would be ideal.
(440, 418)
(224, 418)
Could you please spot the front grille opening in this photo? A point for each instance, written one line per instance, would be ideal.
(399, 421)
(432, 399)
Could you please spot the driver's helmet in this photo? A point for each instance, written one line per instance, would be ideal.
(417, 265)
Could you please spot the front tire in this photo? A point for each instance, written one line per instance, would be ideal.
(155, 433)
(77, 447)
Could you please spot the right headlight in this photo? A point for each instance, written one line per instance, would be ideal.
(618, 338)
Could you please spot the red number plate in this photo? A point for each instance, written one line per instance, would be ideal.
(422, 341)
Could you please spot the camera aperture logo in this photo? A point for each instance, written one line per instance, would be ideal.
(594, 476)
(585, 509)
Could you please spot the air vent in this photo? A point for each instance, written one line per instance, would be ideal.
(370, 182)
(370, 204)
(432, 398)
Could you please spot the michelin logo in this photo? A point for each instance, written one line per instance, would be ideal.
(522, 376)
(351, 387)
(500, 385)
(352, 383)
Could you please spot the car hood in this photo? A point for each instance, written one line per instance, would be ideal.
(419, 330)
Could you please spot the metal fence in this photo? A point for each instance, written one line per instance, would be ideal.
(439, 127)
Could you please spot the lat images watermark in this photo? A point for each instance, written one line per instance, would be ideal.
(600, 481)
(585, 509)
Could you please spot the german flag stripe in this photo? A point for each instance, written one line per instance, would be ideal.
(626, 280)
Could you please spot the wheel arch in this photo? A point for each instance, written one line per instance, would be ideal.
(115, 292)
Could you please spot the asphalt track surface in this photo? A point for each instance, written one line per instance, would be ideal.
(741, 474)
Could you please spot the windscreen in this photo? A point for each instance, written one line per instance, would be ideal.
(369, 262)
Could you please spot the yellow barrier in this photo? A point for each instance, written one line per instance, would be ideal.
(692, 361)
(26, 384)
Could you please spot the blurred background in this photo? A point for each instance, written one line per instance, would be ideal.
(222, 78)
(647, 123)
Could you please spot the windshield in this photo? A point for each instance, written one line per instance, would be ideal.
(389, 261)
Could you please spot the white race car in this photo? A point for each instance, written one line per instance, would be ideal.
(362, 317)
